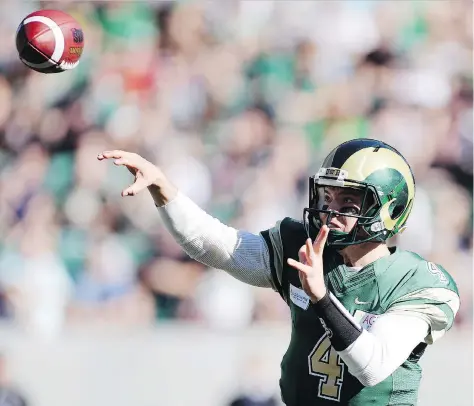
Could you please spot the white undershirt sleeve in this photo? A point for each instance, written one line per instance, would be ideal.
(204, 238)
(377, 353)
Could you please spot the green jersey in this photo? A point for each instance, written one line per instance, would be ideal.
(312, 372)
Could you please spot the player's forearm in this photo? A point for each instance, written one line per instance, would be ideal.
(370, 356)
(376, 354)
(342, 328)
(205, 239)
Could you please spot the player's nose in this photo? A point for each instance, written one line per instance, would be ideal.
(332, 220)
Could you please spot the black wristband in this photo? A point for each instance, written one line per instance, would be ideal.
(341, 327)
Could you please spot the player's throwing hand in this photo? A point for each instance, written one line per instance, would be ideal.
(310, 267)
(146, 175)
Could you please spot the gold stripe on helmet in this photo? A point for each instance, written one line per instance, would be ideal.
(364, 162)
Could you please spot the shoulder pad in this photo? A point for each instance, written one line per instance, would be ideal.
(411, 273)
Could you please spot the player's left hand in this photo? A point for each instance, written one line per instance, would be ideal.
(310, 265)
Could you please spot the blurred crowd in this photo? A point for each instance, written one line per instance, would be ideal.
(238, 102)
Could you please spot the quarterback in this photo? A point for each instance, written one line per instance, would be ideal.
(362, 313)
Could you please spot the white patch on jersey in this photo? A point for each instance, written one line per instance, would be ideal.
(433, 268)
(299, 297)
(366, 320)
(58, 39)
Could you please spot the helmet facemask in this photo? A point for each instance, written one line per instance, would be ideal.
(368, 227)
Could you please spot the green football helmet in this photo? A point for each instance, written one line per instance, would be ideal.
(384, 177)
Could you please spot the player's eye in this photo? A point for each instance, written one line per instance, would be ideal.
(350, 210)
(348, 200)
(327, 199)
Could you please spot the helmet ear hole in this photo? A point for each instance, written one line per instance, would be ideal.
(396, 211)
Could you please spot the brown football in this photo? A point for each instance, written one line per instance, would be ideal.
(50, 41)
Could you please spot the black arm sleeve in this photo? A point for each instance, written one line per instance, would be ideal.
(342, 328)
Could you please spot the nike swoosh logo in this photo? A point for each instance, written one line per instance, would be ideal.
(357, 301)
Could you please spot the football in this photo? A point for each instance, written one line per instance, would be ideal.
(50, 41)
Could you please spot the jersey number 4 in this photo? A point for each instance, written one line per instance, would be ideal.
(325, 363)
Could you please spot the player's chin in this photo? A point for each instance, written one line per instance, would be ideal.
(342, 229)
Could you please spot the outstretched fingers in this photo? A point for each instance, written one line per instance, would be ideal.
(122, 158)
(303, 268)
(320, 242)
(115, 154)
(110, 154)
(136, 187)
